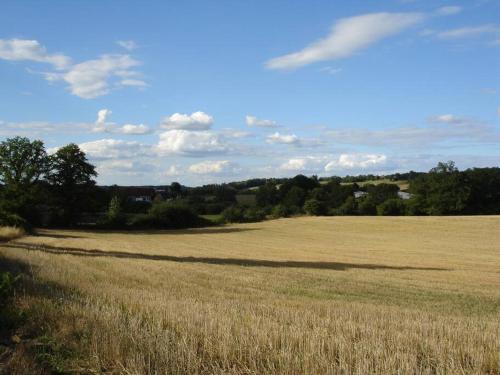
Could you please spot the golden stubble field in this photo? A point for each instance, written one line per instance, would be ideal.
(292, 296)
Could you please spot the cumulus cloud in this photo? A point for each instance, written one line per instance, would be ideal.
(102, 125)
(32, 50)
(302, 164)
(88, 79)
(254, 121)
(93, 78)
(348, 36)
(195, 121)
(468, 32)
(288, 139)
(191, 143)
(134, 129)
(129, 45)
(448, 10)
(113, 149)
(211, 167)
(355, 161)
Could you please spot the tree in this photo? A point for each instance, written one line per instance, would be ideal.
(367, 206)
(71, 176)
(391, 207)
(115, 212)
(484, 195)
(267, 195)
(382, 192)
(22, 165)
(313, 207)
(295, 198)
(176, 189)
(349, 207)
(442, 191)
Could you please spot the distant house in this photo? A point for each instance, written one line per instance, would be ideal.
(360, 194)
(404, 195)
(140, 194)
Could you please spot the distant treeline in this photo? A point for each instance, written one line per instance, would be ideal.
(37, 189)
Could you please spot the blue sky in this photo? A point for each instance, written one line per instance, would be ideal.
(211, 91)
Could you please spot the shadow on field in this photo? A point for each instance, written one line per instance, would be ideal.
(54, 235)
(337, 266)
(210, 230)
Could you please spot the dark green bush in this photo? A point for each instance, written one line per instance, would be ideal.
(168, 215)
(280, 210)
(349, 207)
(13, 220)
(253, 214)
(392, 207)
(366, 206)
(240, 214)
(314, 207)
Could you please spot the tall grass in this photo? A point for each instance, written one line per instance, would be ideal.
(10, 233)
(297, 296)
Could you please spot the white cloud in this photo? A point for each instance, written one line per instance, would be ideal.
(134, 129)
(355, 161)
(32, 50)
(235, 133)
(113, 148)
(254, 121)
(88, 79)
(173, 170)
(129, 45)
(296, 164)
(41, 128)
(102, 125)
(211, 167)
(449, 129)
(117, 165)
(304, 164)
(448, 119)
(348, 36)
(448, 10)
(195, 121)
(288, 139)
(93, 78)
(191, 143)
(467, 32)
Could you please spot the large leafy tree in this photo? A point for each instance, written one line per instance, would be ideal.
(72, 177)
(442, 191)
(23, 163)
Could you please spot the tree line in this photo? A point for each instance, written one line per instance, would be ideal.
(57, 190)
(444, 190)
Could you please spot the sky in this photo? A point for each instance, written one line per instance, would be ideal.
(215, 91)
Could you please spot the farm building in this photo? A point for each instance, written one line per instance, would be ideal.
(404, 195)
(360, 194)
